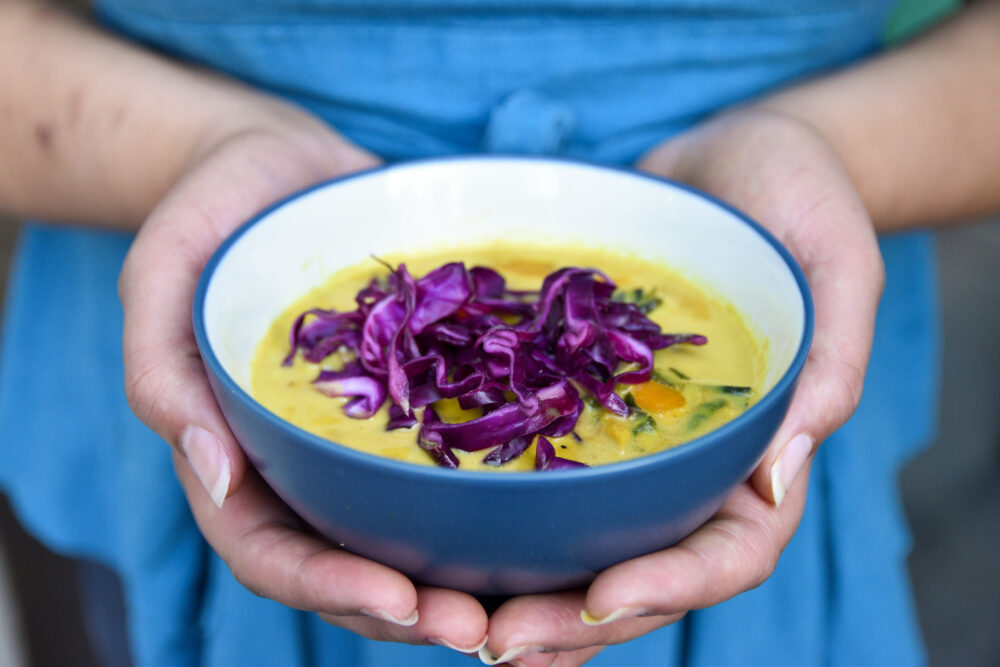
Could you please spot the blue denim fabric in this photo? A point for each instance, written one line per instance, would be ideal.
(596, 79)
(426, 77)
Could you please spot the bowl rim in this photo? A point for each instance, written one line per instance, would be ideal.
(708, 441)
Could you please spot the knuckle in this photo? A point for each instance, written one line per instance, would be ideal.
(662, 580)
(753, 560)
(156, 385)
(145, 387)
(878, 273)
(839, 387)
(251, 558)
(124, 278)
(382, 631)
(847, 389)
(755, 547)
(247, 582)
(762, 564)
(766, 560)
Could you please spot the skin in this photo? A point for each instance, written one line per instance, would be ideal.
(82, 115)
(825, 226)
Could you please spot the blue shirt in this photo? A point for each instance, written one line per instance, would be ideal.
(601, 80)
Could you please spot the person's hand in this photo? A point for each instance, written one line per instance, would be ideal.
(784, 174)
(235, 174)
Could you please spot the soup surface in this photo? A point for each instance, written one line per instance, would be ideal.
(694, 388)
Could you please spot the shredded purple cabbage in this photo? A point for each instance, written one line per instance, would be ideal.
(461, 334)
(508, 451)
(546, 459)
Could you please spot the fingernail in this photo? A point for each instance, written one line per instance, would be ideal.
(386, 616)
(509, 655)
(206, 457)
(441, 641)
(788, 465)
(617, 615)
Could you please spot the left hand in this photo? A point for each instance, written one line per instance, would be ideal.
(784, 174)
(239, 170)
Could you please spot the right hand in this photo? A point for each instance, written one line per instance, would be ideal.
(785, 174)
(268, 548)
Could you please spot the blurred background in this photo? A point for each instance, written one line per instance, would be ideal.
(951, 491)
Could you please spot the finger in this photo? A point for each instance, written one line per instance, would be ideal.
(575, 658)
(447, 618)
(784, 174)
(734, 552)
(560, 659)
(530, 627)
(165, 382)
(546, 659)
(840, 256)
(264, 545)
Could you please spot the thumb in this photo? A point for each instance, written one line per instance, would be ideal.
(828, 393)
(165, 380)
(846, 290)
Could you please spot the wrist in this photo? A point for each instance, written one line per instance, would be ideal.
(724, 152)
(98, 130)
(290, 130)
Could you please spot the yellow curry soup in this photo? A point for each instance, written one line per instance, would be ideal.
(694, 389)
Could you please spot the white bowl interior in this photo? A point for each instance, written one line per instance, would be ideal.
(297, 246)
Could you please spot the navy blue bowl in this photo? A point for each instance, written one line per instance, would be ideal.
(497, 533)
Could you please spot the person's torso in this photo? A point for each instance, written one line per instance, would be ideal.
(593, 79)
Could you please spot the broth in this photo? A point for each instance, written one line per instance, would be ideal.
(695, 388)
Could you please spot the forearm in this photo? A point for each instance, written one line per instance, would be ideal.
(95, 130)
(918, 129)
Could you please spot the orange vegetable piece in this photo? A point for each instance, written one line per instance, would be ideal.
(657, 398)
(615, 427)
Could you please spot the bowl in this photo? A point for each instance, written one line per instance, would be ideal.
(497, 533)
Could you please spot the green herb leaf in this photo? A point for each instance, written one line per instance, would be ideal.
(663, 379)
(646, 303)
(647, 425)
(730, 389)
(704, 411)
